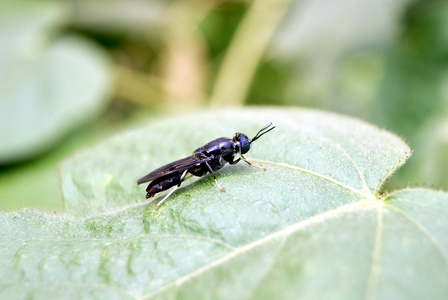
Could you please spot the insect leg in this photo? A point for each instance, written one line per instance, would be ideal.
(167, 195)
(214, 176)
(182, 177)
(252, 164)
(233, 162)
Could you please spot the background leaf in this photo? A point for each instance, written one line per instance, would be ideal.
(304, 228)
(48, 87)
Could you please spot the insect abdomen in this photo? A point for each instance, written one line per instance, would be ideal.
(163, 183)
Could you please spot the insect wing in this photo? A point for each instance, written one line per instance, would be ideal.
(175, 166)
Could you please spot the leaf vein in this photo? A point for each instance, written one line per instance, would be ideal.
(328, 178)
(424, 230)
(372, 282)
(360, 173)
(268, 269)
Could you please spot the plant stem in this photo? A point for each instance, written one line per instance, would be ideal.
(245, 52)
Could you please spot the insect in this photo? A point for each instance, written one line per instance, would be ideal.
(208, 158)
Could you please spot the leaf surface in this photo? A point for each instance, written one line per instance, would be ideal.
(309, 154)
(311, 226)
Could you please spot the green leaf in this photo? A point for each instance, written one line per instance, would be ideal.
(311, 153)
(48, 87)
(311, 226)
(394, 249)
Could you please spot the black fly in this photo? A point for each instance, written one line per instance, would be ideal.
(210, 157)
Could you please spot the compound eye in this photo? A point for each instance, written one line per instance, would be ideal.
(245, 144)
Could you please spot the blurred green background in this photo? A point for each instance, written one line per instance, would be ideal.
(74, 72)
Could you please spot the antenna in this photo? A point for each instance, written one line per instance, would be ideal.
(261, 133)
